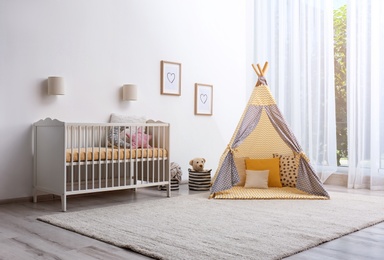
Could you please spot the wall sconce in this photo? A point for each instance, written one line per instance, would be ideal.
(56, 86)
(129, 92)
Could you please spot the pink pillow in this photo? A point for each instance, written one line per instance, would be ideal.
(140, 140)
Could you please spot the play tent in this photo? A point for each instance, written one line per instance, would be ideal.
(263, 133)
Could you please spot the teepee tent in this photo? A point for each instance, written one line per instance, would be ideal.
(263, 133)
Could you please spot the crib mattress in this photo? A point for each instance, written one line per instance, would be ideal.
(103, 153)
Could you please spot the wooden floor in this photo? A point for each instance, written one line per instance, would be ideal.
(24, 237)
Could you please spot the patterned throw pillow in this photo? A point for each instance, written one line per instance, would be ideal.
(288, 169)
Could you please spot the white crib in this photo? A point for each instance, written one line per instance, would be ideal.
(79, 158)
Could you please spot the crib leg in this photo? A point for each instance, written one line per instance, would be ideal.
(64, 203)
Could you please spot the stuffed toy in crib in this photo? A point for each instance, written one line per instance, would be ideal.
(114, 137)
(125, 137)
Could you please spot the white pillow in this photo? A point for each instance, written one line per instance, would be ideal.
(116, 118)
(256, 179)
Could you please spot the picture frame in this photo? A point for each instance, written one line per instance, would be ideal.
(203, 99)
(170, 78)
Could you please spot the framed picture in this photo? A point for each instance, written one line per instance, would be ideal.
(170, 78)
(203, 99)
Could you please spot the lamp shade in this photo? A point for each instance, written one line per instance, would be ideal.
(56, 86)
(129, 92)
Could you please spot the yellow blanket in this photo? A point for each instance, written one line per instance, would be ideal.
(239, 192)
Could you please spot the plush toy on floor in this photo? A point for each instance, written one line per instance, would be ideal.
(199, 178)
(198, 164)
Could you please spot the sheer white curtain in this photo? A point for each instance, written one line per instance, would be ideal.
(365, 88)
(296, 37)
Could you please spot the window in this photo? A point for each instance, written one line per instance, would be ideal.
(340, 49)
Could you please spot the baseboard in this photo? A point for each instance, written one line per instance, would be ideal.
(44, 197)
(337, 179)
(15, 200)
(183, 182)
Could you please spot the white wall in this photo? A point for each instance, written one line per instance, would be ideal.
(97, 46)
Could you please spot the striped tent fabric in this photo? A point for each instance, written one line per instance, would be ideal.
(261, 132)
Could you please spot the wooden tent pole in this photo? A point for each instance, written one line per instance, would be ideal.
(261, 71)
(265, 68)
(256, 70)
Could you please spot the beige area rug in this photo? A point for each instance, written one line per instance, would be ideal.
(194, 227)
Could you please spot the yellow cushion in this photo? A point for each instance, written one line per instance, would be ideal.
(271, 164)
